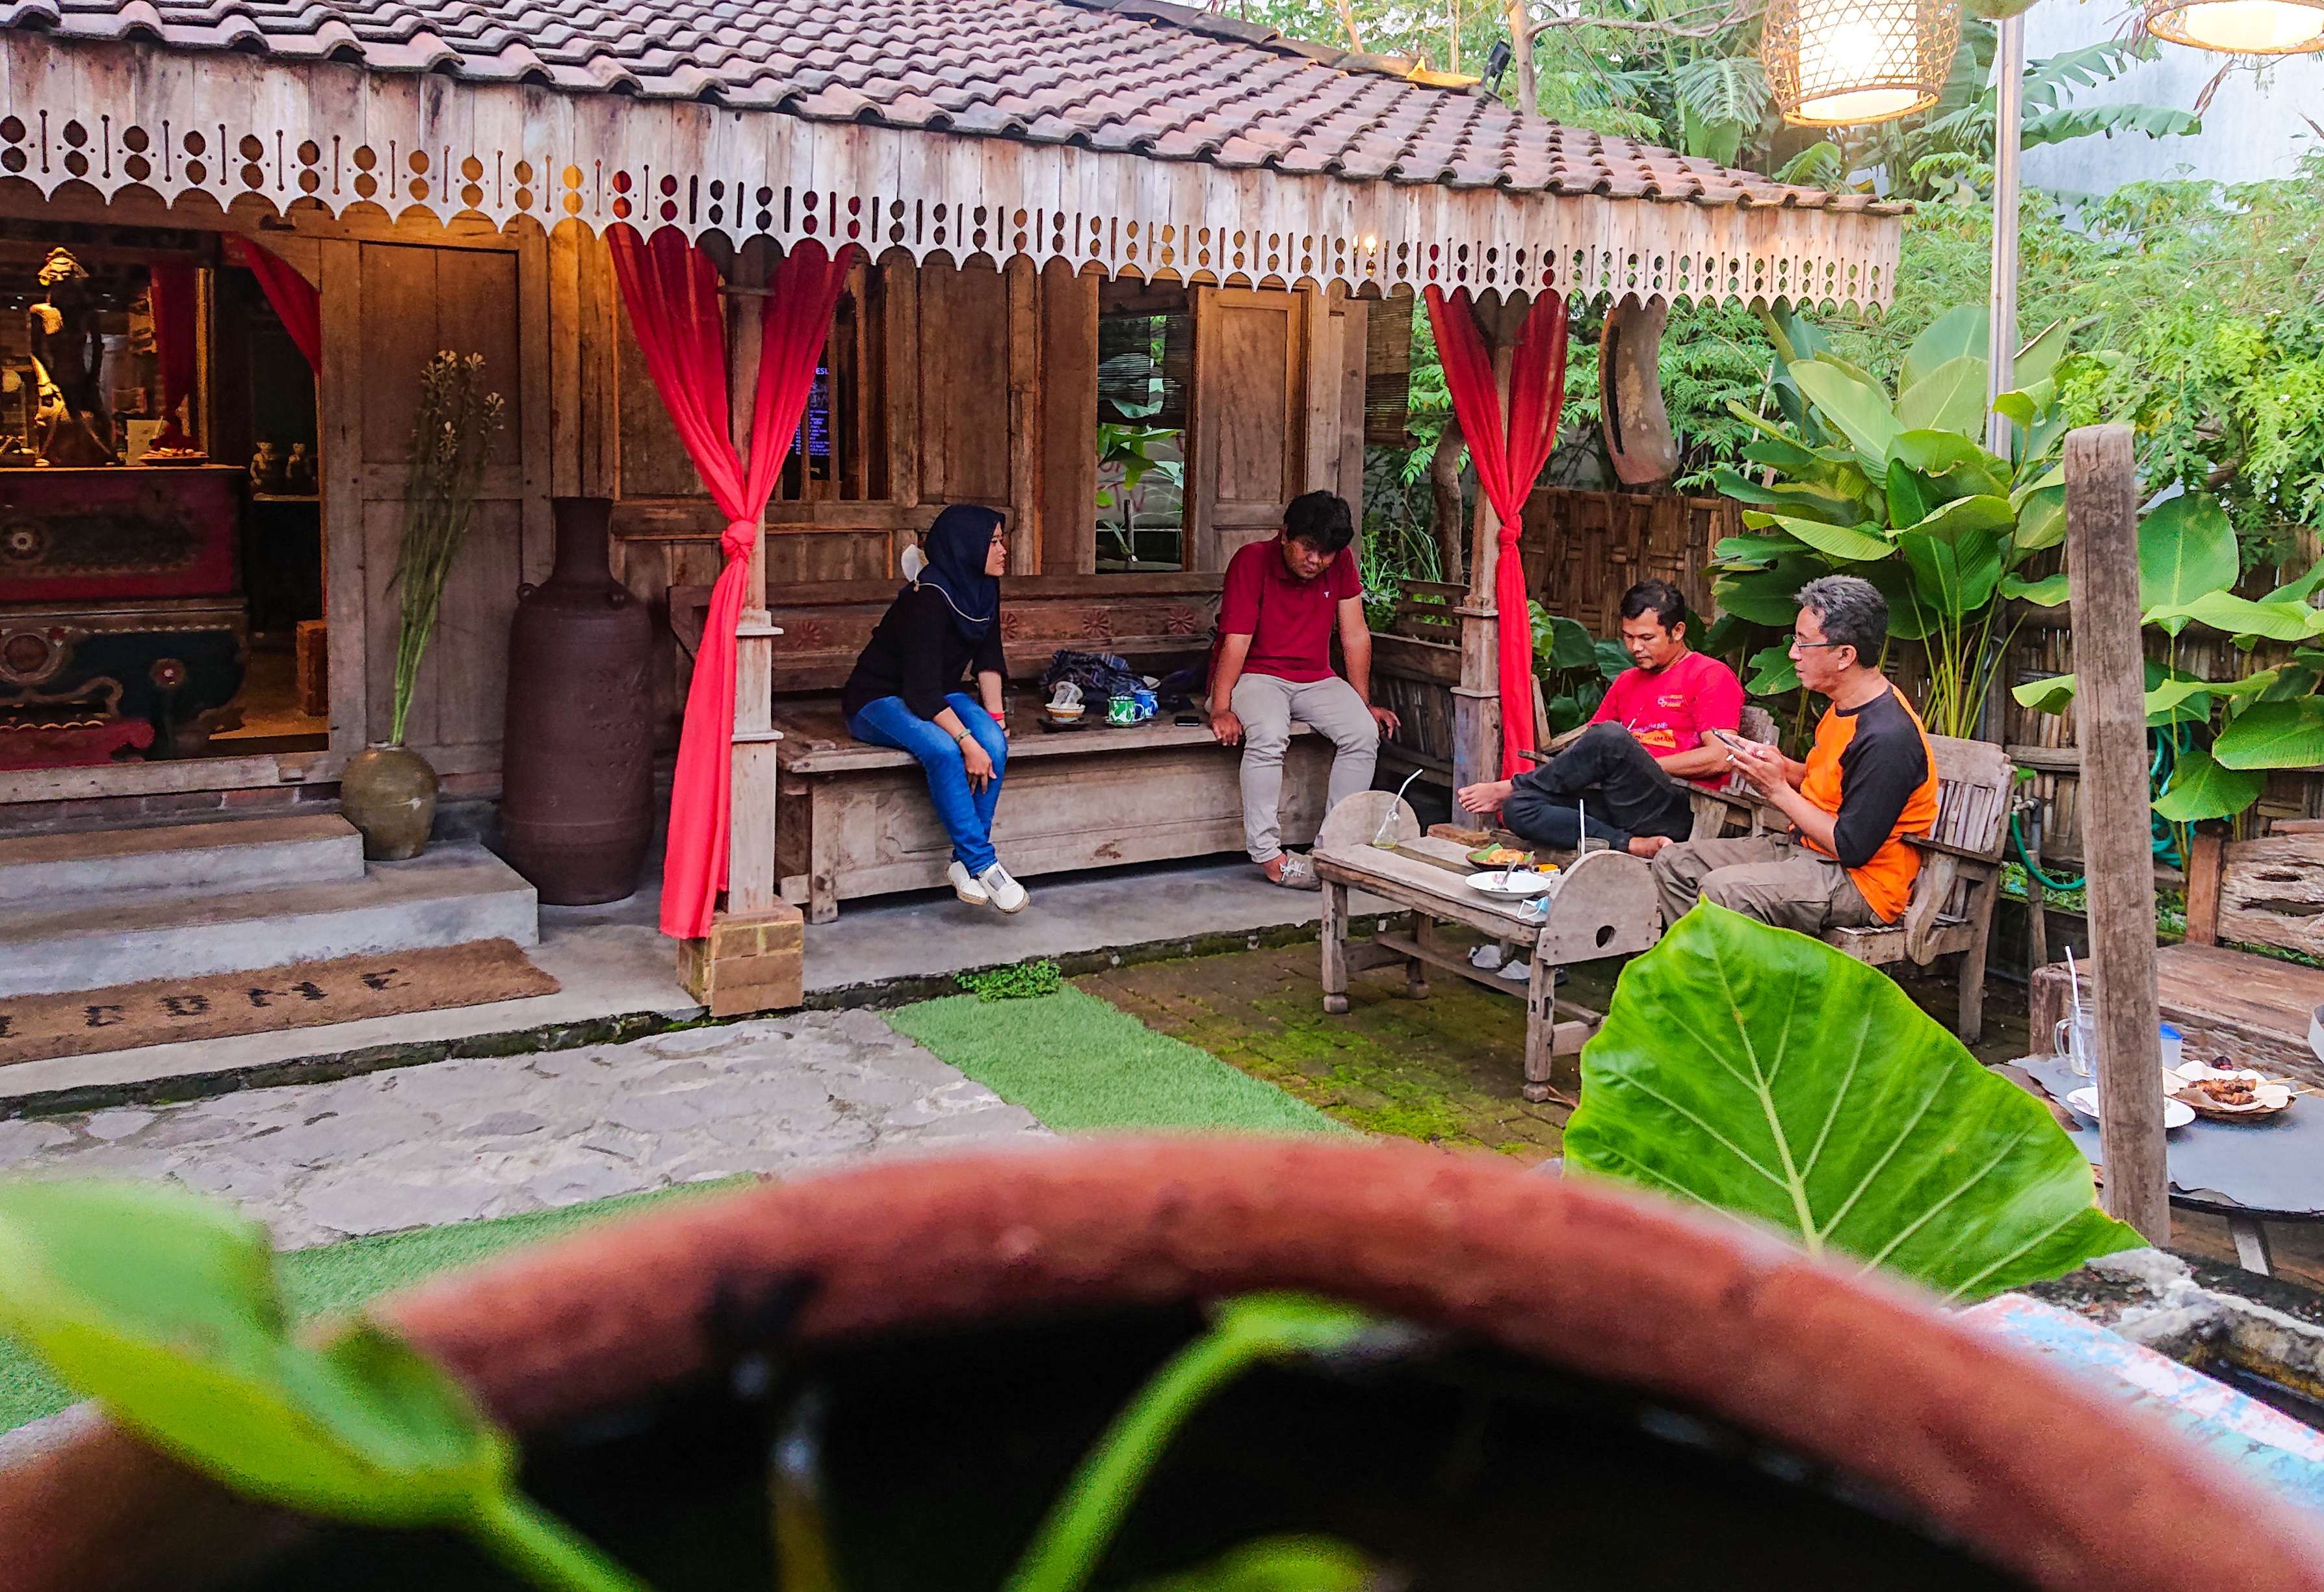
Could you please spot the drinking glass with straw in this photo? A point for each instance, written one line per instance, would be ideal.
(1381, 837)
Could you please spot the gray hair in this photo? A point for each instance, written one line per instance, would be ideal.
(1851, 611)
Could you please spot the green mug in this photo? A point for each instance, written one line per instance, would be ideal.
(1121, 710)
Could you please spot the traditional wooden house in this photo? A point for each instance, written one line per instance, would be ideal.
(1114, 267)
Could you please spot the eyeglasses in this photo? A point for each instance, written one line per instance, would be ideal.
(1799, 646)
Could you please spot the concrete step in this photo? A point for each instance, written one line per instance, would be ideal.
(452, 894)
(226, 855)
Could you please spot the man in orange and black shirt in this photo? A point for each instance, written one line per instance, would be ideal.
(1869, 780)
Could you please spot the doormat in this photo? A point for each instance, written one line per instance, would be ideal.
(300, 995)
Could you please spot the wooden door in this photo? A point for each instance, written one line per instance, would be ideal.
(1250, 435)
(388, 307)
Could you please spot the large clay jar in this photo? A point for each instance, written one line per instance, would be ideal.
(577, 802)
(389, 793)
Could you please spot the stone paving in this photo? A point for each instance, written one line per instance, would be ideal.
(455, 1141)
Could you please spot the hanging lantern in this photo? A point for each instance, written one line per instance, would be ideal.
(2239, 27)
(1842, 63)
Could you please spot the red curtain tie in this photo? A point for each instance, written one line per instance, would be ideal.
(1510, 454)
(671, 290)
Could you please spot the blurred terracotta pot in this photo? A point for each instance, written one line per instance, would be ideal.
(2032, 1472)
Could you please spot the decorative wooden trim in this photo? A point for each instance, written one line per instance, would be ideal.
(127, 116)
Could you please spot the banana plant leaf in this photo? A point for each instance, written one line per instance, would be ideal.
(1751, 552)
(1767, 596)
(1910, 616)
(1773, 672)
(1761, 1072)
(2048, 592)
(1856, 408)
(1960, 333)
(1950, 398)
(2273, 735)
(2200, 787)
(2300, 590)
(2051, 693)
(2038, 360)
(2042, 518)
(2186, 548)
(1957, 465)
(1954, 573)
(2240, 617)
(1807, 500)
(1850, 544)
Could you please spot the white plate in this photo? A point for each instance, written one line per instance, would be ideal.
(1517, 885)
(2175, 1113)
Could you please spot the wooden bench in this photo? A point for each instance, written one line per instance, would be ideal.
(1950, 911)
(854, 820)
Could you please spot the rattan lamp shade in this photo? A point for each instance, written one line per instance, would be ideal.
(1842, 63)
(2240, 27)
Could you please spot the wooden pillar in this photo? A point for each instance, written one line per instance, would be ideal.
(1477, 699)
(2102, 552)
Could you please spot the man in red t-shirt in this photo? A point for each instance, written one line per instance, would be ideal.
(1626, 777)
(1272, 665)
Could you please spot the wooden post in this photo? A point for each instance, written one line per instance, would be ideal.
(1477, 699)
(2102, 552)
(2206, 864)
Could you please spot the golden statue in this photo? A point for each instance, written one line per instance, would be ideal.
(74, 421)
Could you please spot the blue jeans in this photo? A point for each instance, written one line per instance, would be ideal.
(965, 814)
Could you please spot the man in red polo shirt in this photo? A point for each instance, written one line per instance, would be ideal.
(1272, 665)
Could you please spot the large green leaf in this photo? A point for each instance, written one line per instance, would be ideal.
(2186, 548)
(1848, 544)
(1767, 596)
(2051, 693)
(1910, 617)
(2301, 589)
(1857, 407)
(1806, 500)
(1751, 552)
(1562, 643)
(2241, 617)
(1773, 672)
(2048, 592)
(2038, 360)
(2041, 518)
(1950, 398)
(2273, 735)
(1759, 1071)
(1961, 468)
(1960, 333)
(164, 1307)
(2200, 787)
(1955, 570)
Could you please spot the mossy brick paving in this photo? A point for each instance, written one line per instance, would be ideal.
(1444, 1069)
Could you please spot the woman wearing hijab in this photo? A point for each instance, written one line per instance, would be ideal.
(905, 692)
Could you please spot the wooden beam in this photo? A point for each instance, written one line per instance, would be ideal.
(2206, 861)
(1025, 416)
(751, 828)
(2102, 551)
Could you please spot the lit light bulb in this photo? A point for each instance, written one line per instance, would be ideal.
(2247, 27)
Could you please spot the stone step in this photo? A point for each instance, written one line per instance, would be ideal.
(452, 894)
(226, 855)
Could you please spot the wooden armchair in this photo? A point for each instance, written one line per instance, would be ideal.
(1951, 906)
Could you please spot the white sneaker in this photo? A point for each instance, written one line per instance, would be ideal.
(964, 886)
(1001, 890)
(1517, 971)
(1489, 957)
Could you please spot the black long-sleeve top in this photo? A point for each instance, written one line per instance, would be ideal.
(918, 654)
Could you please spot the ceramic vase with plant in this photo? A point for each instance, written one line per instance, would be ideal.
(388, 791)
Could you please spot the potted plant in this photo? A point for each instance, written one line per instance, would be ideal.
(387, 791)
(1106, 1365)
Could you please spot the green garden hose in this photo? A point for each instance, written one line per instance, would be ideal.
(2165, 840)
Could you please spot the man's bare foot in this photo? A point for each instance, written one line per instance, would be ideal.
(1273, 867)
(1647, 845)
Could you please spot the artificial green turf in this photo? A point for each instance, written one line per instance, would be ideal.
(1080, 1065)
(341, 1277)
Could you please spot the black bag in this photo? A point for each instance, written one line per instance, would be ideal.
(1101, 677)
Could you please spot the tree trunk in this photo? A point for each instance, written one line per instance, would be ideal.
(1444, 496)
(1521, 54)
(1347, 21)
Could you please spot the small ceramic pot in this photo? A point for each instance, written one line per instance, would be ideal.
(389, 793)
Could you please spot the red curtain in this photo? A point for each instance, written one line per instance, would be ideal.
(1511, 453)
(671, 290)
(175, 294)
(296, 302)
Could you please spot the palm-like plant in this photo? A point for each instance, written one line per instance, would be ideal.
(1901, 490)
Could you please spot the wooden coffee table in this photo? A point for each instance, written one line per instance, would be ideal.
(1604, 905)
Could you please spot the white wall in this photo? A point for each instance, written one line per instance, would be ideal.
(2253, 129)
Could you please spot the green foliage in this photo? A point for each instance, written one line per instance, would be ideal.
(1759, 1071)
(1574, 667)
(1899, 490)
(1023, 981)
(165, 1307)
(1257, 1328)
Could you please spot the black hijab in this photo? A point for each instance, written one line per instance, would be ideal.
(956, 546)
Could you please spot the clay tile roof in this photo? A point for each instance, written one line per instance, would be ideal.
(1156, 80)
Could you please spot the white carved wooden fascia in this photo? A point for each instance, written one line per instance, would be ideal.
(116, 116)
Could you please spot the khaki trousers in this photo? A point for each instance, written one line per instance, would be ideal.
(1770, 877)
(1267, 706)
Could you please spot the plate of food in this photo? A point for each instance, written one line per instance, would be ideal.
(2229, 1094)
(1500, 857)
(2176, 1113)
(1514, 883)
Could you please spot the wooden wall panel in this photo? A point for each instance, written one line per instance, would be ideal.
(1068, 421)
(653, 461)
(964, 397)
